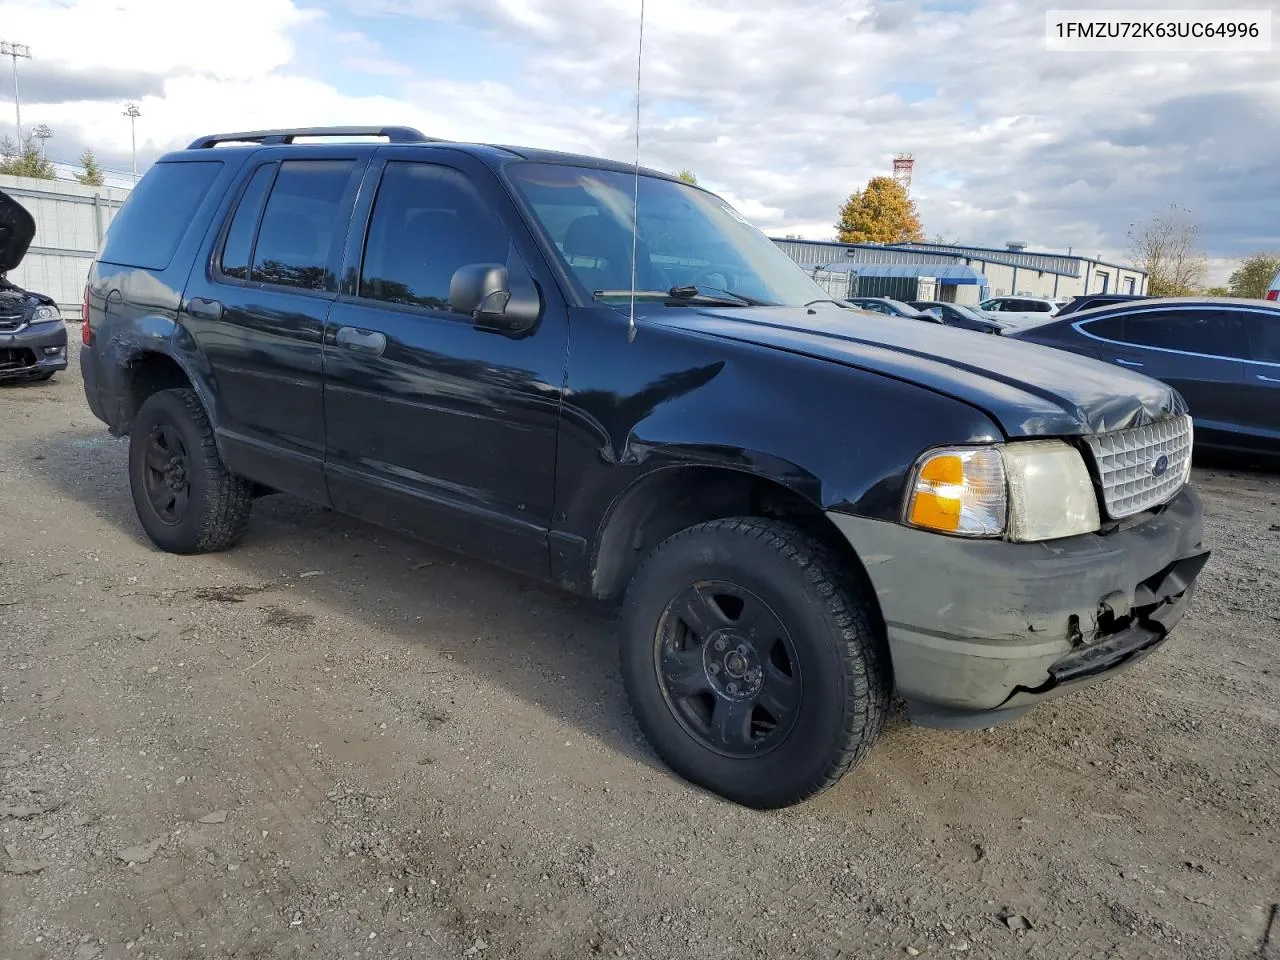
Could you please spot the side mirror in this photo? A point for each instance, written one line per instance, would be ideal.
(484, 291)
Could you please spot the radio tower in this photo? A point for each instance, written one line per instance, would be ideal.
(903, 164)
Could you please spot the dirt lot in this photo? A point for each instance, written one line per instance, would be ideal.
(337, 742)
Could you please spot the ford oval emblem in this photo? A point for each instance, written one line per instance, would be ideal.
(1161, 466)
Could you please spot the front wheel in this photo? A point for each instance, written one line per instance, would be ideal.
(753, 662)
(186, 498)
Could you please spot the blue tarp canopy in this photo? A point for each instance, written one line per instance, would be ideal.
(945, 273)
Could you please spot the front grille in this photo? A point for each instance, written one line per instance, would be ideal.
(1142, 467)
(10, 321)
(12, 358)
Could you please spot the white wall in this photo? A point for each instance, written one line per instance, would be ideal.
(71, 220)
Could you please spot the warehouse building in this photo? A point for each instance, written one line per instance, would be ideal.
(993, 272)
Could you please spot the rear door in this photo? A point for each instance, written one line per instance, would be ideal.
(1199, 351)
(258, 310)
(1262, 378)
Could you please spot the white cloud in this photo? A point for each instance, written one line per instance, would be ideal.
(782, 107)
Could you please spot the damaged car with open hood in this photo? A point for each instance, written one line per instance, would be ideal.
(606, 378)
(33, 336)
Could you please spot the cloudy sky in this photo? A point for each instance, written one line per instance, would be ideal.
(782, 106)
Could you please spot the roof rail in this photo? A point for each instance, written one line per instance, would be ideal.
(267, 137)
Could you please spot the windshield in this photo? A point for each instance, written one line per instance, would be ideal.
(686, 236)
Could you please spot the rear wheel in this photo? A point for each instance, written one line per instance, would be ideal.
(187, 500)
(752, 661)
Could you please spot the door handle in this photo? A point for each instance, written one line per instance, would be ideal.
(362, 341)
(1265, 379)
(203, 309)
(1127, 363)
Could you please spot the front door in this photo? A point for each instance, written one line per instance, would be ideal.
(258, 314)
(434, 426)
(1261, 412)
(1197, 351)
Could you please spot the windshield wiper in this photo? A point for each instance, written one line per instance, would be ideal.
(706, 294)
(681, 296)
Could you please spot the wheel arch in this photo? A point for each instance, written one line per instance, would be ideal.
(674, 498)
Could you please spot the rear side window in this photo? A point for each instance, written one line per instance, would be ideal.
(1109, 328)
(300, 226)
(239, 245)
(1216, 333)
(1264, 336)
(427, 222)
(147, 230)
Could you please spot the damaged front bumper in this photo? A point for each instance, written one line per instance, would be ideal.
(33, 350)
(980, 631)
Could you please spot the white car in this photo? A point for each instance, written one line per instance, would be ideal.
(1273, 291)
(1019, 311)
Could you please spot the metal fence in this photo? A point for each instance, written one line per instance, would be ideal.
(71, 220)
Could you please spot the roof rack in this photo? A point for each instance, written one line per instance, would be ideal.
(267, 137)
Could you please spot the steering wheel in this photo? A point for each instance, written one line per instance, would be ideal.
(712, 278)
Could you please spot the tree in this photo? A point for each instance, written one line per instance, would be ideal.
(1253, 279)
(688, 177)
(92, 176)
(1166, 247)
(1217, 292)
(24, 162)
(880, 213)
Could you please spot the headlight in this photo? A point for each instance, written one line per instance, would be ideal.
(46, 313)
(1039, 490)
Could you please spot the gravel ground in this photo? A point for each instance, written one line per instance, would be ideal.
(333, 741)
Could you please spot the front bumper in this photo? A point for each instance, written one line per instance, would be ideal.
(33, 350)
(980, 631)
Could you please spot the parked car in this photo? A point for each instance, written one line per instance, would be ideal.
(33, 336)
(958, 315)
(1222, 355)
(1273, 291)
(444, 338)
(1018, 311)
(1088, 301)
(892, 308)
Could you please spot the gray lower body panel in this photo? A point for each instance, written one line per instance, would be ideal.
(985, 627)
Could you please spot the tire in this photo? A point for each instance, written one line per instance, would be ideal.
(803, 659)
(186, 499)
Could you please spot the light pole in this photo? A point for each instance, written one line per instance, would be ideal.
(133, 113)
(42, 133)
(16, 50)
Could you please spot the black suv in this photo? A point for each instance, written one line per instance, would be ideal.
(800, 506)
(33, 336)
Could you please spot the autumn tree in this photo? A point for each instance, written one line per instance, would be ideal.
(1167, 248)
(688, 177)
(1217, 292)
(880, 213)
(1253, 279)
(92, 176)
(24, 161)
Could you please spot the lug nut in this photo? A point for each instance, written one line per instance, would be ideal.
(733, 688)
(742, 649)
(714, 668)
(720, 644)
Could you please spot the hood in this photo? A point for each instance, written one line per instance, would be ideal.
(1029, 390)
(17, 230)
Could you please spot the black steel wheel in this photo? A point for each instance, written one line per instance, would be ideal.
(187, 500)
(167, 477)
(728, 669)
(754, 660)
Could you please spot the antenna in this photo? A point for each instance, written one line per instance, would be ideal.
(635, 198)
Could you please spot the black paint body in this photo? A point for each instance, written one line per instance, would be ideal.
(521, 448)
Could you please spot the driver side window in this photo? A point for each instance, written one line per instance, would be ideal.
(427, 222)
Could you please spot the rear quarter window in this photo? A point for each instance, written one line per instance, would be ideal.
(147, 230)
